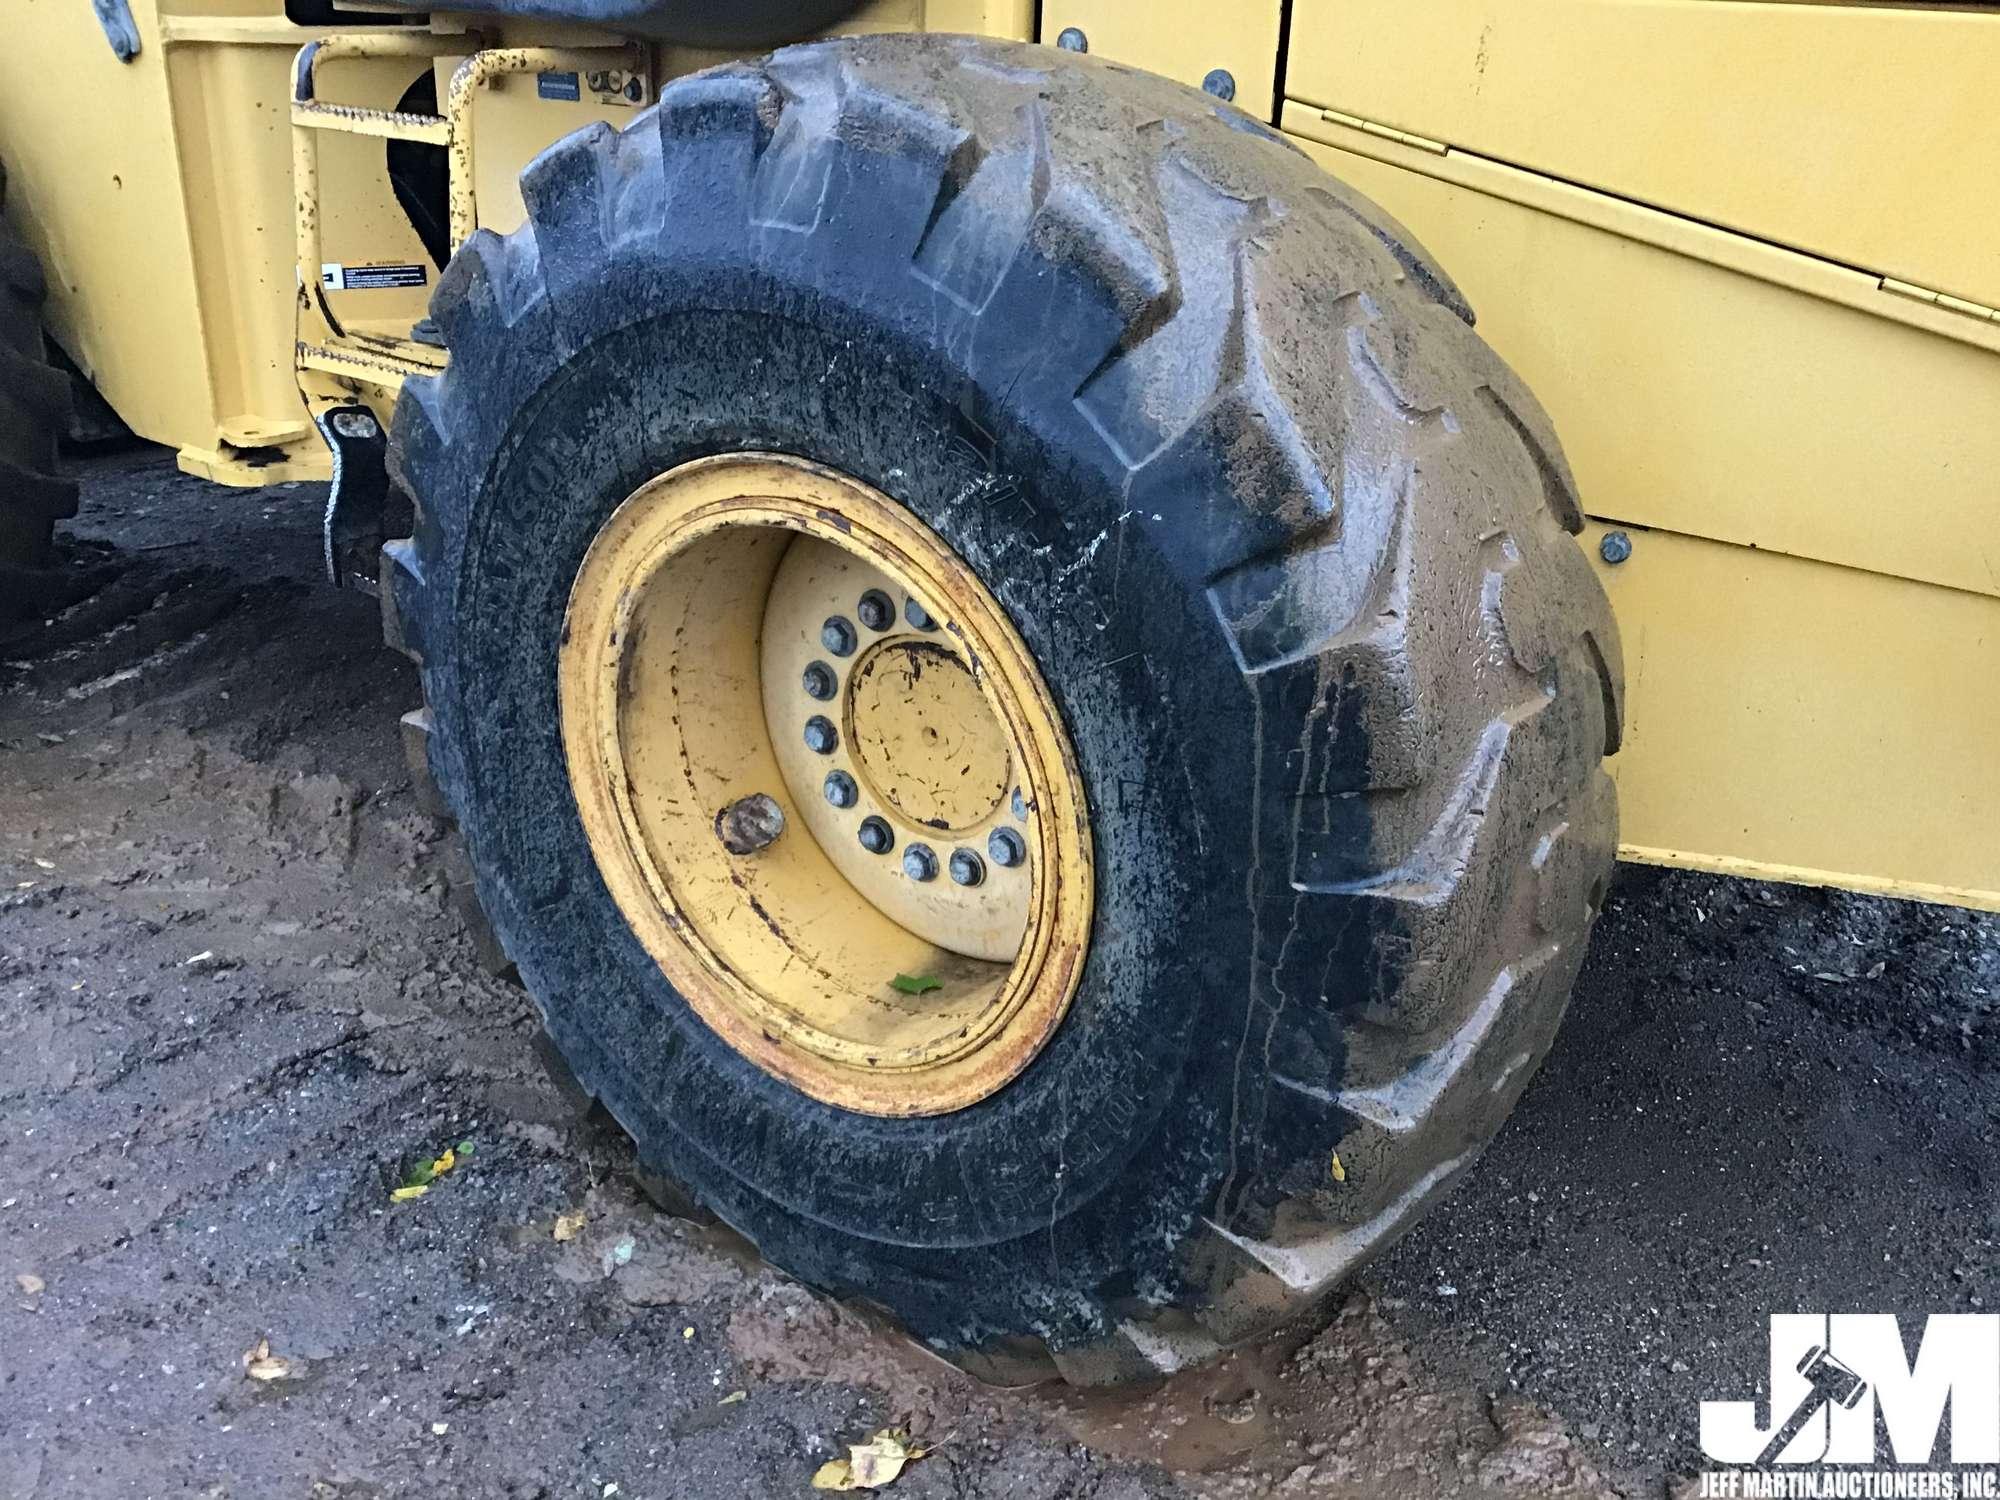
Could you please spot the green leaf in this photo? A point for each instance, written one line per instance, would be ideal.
(915, 984)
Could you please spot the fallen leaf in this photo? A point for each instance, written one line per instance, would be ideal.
(868, 1466)
(1339, 1172)
(879, 1460)
(733, 1397)
(42, 864)
(569, 1226)
(419, 1178)
(30, 1283)
(915, 984)
(200, 958)
(261, 1364)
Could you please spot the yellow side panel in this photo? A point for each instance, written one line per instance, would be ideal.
(1861, 133)
(1738, 401)
(1184, 39)
(1013, 19)
(1797, 721)
(94, 183)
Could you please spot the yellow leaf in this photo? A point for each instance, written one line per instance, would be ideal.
(868, 1466)
(569, 1226)
(444, 1163)
(833, 1475)
(733, 1397)
(878, 1461)
(416, 1190)
(1339, 1172)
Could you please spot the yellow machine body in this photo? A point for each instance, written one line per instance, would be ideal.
(1746, 253)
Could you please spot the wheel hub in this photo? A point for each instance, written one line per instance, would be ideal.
(924, 736)
(825, 784)
(903, 719)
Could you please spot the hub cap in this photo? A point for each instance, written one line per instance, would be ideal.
(752, 626)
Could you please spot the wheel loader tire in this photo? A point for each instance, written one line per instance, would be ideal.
(1289, 545)
(34, 412)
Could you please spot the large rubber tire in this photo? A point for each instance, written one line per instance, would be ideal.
(1289, 543)
(34, 413)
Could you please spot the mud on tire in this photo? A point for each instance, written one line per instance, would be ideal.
(1291, 547)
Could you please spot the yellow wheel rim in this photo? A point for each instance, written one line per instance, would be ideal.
(825, 783)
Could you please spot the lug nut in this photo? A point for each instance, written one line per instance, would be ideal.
(821, 737)
(819, 682)
(876, 836)
(967, 868)
(1006, 848)
(1220, 84)
(1019, 805)
(840, 789)
(837, 635)
(918, 616)
(1614, 546)
(919, 863)
(877, 610)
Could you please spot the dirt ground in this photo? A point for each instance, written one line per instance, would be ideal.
(235, 1009)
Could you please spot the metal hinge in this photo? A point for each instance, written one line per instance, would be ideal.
(1940, 299)
(1386, 132)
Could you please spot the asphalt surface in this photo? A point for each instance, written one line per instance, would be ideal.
(236, 1011)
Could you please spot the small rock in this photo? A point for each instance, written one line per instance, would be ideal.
(749, 823)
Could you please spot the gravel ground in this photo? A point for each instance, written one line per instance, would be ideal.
(237, 1011)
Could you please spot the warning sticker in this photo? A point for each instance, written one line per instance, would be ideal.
(369, 278)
